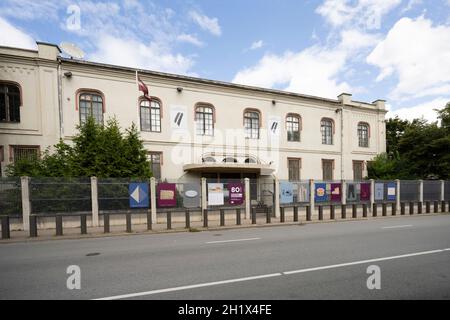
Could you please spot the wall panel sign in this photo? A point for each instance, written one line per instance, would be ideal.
(191, 195)
(336, 192)
(320, 194)
(236, 193)
(379, 191)
(303, 192)
(138, 195)
(365, 192)
(166, 195)
(391, 191)
(178, 118)
(215, 194)
(286, 192)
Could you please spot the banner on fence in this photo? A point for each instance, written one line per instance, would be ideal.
(365, 192)
(215, 194)
(303, 193)
(391, 191)
(236, 193)
(138, 193)
(320, 192)
(286, 192)
(191, 195)
(336, 192)
(166, 195)
(353, 191)
(379, 191)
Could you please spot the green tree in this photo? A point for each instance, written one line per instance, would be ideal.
(97, 150)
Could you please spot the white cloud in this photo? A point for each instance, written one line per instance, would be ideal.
(365, 13)
(209, 24)
(132, 53)
(14, 37)
(418, 53)
(257, 45)
(188, 38)
(30, 9)
(411, 4)
(314, 70)
(425, 110)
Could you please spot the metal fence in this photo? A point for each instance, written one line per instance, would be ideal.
(409, 190)
(385, 191)
(10, 197)
(432, 190)
(327, 192)
(60, 195)
(358, 191)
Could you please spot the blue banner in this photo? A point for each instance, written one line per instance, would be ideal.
(320, 194)
(286, 192)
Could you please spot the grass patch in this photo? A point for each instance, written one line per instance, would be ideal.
(193, 230)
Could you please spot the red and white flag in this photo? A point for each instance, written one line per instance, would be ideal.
(143, 87)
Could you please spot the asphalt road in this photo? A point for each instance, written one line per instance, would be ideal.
(314, 261)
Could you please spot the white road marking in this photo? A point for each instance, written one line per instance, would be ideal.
(236, 240)
(364, 262)
(272, 275)
(396, 227)
(201, 285)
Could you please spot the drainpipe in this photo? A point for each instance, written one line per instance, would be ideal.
(59, 77)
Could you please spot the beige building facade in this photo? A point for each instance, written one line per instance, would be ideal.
(191, 127)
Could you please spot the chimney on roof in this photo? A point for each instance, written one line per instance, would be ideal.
(48, 51)
(380, 104)
(345, 98)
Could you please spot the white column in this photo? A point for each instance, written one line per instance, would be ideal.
(247, 198)
(442, 190)
(312, 192)
(344, 192)
(372, 194)
(26, 205)
(277, 197)
(397, 193)
(94, 200)
(153, 200)
(421, 191)
(204, 196)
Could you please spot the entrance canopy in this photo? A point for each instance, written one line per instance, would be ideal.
(261, 169)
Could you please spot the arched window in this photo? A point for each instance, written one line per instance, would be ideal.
(326, 128)
(9, 102)
(209, 160)
(204, 118)
(91, 105)
(363, 135)
(293, 127)
(229, 160)
(250, 160)
(252, 124)
(150, 115)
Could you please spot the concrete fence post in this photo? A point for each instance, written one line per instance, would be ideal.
(26, 204)
(153, 200)
(277, 197)
(420, 192)
(344, 192)
(248, 200)
(312, 192)
(397, 193)
(204, 196)
(94, 200)
(442, 197)
(372, 194)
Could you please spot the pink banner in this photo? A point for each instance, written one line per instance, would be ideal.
(365, 192)
(236, 193)
(336, 192)
(166, 195)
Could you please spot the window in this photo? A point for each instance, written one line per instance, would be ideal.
(294, 169)
(363, 135)
(204, 118)
(150, 115)
(9, 103)
(155, 164)
(209, 160)
(229, 160)
(251, 124)
(293, 127)
(358, 170)
(327, 169)
(326, 127)
(91, 105)
(25, 153)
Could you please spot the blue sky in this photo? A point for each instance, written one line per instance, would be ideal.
(398, 50)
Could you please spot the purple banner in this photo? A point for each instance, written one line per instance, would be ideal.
(365, 192)
(166, 195)
(336, 192)
(236, 193)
